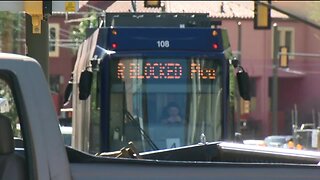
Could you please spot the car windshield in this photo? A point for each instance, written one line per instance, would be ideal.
(275, 139)
(173, 100)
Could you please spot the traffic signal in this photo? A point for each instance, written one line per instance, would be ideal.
(35, 10)
(152, 3)
(38, 10)
(283, 58)
(47, 7)
(262, 16)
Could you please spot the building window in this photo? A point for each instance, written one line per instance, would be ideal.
(54, 35)
(55, 82)
(286, 38)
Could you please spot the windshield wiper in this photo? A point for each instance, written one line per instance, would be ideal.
(142, 131)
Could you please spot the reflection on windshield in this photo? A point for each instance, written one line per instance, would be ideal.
(172, 102)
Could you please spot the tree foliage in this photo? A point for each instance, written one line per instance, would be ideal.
(89, 21)
(6, 94)
(314, 12)
(10, 28)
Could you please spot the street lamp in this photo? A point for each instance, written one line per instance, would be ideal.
(274, 96)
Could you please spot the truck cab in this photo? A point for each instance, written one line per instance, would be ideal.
(44, 155)
(30, 106)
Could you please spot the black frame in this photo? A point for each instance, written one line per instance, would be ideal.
(147, 4)
(256, 14)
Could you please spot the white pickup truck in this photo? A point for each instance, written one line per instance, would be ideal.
(44, 155)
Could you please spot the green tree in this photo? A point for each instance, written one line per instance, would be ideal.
(314, 12)
(89, 21)
(10, 28)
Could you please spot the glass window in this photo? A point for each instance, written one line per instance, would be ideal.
(54, 36)
(15, 161)
(171, 101)
(286, 38)
(8, 108)
(55, 82)
(52, 39)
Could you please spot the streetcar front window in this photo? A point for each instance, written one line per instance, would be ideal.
(161, 103)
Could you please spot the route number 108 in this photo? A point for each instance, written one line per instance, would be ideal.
(163, 44)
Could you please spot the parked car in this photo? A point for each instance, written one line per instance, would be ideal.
(254, 142)
(278, 141)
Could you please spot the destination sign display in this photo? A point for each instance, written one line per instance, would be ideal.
(164, 70)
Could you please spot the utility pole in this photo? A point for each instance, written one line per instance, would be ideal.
(274, 98)
(37, 39)
(238, 129)
(38, 44)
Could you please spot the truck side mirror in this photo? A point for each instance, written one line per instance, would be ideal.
(244, 84)
(85, 84)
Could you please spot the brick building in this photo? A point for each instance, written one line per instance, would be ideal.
(297, 85)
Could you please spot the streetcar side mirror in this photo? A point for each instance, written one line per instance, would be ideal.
(85, 84)
(244, 84)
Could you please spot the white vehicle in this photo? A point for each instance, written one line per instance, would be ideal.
(45, 156)
(278, 141)
(254, 142)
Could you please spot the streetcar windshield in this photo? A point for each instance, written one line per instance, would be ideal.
(160, 103)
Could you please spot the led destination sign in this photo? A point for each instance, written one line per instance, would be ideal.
(163, 70)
